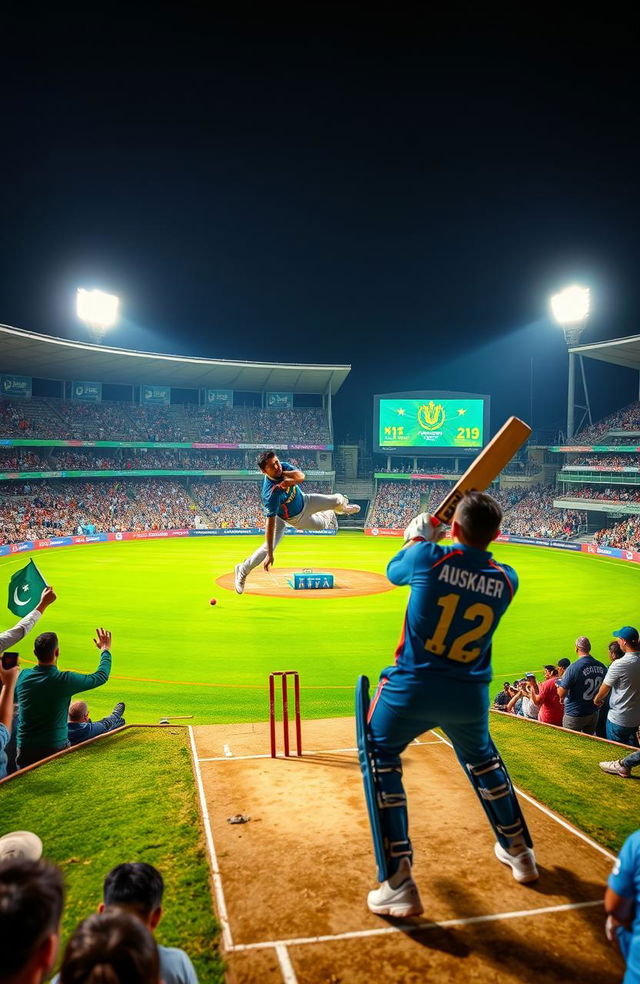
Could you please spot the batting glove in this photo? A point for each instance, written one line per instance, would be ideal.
(424, 527)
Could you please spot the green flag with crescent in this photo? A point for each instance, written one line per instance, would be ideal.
(25, 588)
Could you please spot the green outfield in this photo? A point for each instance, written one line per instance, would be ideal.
(175, 654)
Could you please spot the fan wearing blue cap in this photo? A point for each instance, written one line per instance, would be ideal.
(623, 683)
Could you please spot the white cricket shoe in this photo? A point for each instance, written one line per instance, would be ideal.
(522, 865)
(399, 902)
(616, 768)
(351, 509)
(241, 577)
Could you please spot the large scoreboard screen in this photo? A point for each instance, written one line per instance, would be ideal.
(433, 422)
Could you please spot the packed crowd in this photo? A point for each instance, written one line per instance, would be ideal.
(616, 493)
(527, 512)
(50, 419)
(624, 535)
(604, 460)
(37, 510)
(626, 419)
(584, 694)
(534, 516)
(395, 504)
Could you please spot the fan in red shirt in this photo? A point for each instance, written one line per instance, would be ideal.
(546, 696)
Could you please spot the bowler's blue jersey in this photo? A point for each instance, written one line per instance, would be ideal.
(285, 503)
(625, 881)
(458, 596)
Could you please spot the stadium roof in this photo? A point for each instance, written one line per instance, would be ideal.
(617, 351)
(27, 353)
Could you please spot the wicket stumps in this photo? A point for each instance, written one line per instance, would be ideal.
(285, 710)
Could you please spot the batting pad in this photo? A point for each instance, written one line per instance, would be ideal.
(369, 776)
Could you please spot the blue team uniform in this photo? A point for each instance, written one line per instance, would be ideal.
(285, 503)
(625, 881)
(440, 678)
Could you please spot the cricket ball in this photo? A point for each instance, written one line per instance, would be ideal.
(213, 602)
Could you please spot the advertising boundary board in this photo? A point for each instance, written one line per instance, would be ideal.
(11, 442)
(9, 549)
(632, 556)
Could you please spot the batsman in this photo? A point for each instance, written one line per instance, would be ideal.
(441, 679)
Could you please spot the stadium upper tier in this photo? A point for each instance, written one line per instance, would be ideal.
(46, 357)
(52, 419)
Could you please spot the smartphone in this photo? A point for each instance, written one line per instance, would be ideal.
(9, 660)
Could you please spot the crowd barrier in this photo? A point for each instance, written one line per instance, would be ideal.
(69, 541)
(590, 548)
(9, 442)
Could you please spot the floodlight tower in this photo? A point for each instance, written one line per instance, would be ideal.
(98, 310)
(570, 309)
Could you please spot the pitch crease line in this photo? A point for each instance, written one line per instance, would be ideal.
(558, 819)
(417, 927)
(319, 751)
(213, 858)
(288, 973)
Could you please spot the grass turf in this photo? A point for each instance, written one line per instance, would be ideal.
(560, 769)
(175, 654)
(134, 800)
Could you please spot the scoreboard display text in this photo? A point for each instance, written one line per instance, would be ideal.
(431, 424)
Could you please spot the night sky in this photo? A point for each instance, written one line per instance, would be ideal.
(387, 191)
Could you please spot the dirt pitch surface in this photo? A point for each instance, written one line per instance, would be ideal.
(278, 583)
(290, 884)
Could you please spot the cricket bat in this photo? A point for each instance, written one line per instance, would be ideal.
(487, 466)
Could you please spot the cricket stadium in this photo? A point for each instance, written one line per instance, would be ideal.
(129, 479)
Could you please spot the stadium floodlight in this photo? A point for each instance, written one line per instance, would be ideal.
(570, 309)
(98, 310)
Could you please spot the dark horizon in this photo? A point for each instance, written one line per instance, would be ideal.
(395, 194)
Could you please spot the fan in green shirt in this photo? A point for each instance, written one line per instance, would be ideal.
(44, 692)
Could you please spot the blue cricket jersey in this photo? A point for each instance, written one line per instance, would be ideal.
(458, 596)
(625, 881)
(285, 503)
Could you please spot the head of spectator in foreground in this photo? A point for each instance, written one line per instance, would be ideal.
(550, 671)
(46, 649)
(31, 898)
(628, 639)
(138, 889)
(583, 646)
(79, 711)
(615, 652)
(476, 521)
(562, 665)
(111, 948)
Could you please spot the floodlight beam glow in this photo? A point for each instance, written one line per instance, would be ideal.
(94, 307)
(571, 305)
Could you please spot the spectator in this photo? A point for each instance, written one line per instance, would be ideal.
(622, 906)
(503, 697)
(31, 898)
(80, 727)
(110, 948)
(44, 693)
(578, 686)
(137, 889)
(622, 681)
(8, 679)
(601, 728)
(622, 767)
(563, 665)
(546, 697)
(521, 703)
